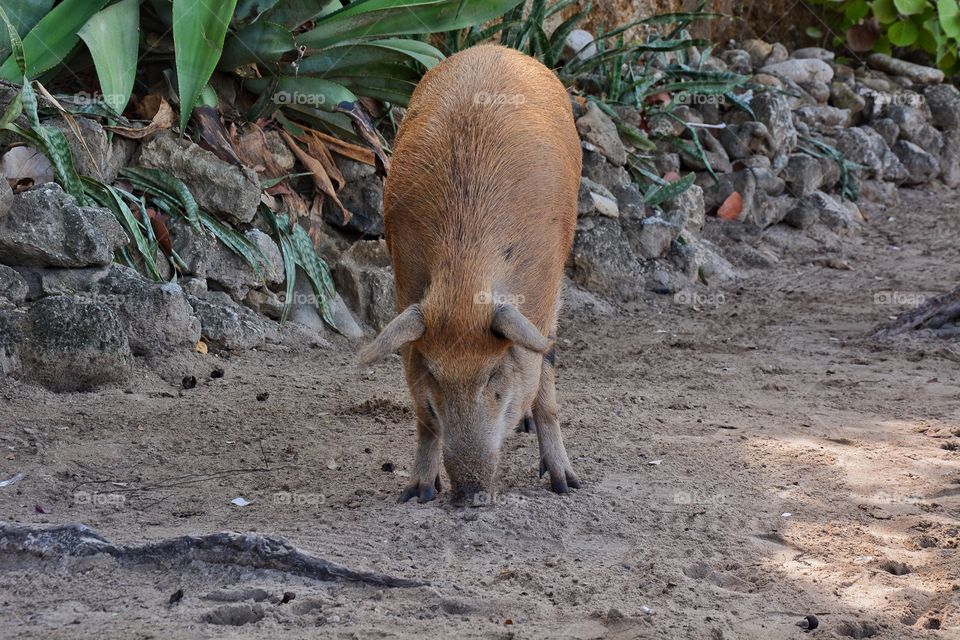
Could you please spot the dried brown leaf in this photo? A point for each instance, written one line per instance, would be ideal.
(162, 118)
(320, 178)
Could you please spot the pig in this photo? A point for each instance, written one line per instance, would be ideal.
(480, 209)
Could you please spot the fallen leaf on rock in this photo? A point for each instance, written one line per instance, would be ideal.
(161, 117)
(731, 207)
(320, 177)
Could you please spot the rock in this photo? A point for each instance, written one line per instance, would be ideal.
(362, 196)
(579, 44)
(365, 280)
(224, 190)
(738, 61)
(843, 96)
(715, 154)
(768, 210)
(12, 285)
(599, 130)
(778, 54)
(944, 103)
(51, 281)
(917, 73)
(815, 53)
(887, 129)
(228, 325)
(819, 91)
(595, 199)
(46, 227)
(73, 344)
(828, 211)
(94, 154)
(603, 261)
(950, 158)
(156, 317)
(747, 139)
(576, 301)
(758, 51)
(596, 167)
(666, 161)
(801, 70)
(207, 257)
(13, 336)
(265, 302)
(774, 113)
(921, 166)
(803, 215)
(652, 237)
(803, 174)
(822, 117)
(913, 127)
(864, 146)
(194, 286)
(687, 210)
(344, 320)
(6, 197)
(884, 194)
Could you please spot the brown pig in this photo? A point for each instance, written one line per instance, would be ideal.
(480, 209)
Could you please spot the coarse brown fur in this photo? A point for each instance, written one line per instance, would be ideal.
(480, 209)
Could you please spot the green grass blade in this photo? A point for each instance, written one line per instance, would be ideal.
(155, 180)
(111, 198)
(113, 38)
(235, 241)
(55, 36)
(672, 190)
(316, 270)
(199, 29)
(375, 18)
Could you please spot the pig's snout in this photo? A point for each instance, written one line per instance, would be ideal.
(472, 470)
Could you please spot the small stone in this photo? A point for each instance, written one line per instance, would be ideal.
(843, 96)
(227, 191)
(595, 199)
(12, 285)
(75, 345)
(917, 73)
(228, 325)
(189, 382)
(914, 128)
(950, 158)
(774, 113)
(815, 53)
(263, 396)
(758, 50)
(362, 196)
(944, 103)
(654, 237)
(598, 129)
(46, 227)
(580, 45)
(921, 166)
(803, 174)
(801, 71)
(364, 278)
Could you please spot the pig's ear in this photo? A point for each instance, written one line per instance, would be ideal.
(509, 323)
(406, 327)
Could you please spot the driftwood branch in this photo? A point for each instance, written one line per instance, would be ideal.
(226, 548)
(940, 315)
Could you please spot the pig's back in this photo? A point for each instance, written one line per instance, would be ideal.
(484, 180)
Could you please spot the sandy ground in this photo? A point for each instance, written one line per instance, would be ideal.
(746, 462)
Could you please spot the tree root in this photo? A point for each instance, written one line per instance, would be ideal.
(225, 548)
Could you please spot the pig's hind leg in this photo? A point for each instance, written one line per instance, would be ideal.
(526, 424)
(553, 455)
(425, 483)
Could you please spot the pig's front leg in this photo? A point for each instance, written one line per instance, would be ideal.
(553, 455)
(425, 483)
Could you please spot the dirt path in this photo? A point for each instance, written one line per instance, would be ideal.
(746, 464)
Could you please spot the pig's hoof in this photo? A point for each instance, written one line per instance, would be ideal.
(527, 424)
(561, 480)
(422, 491)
